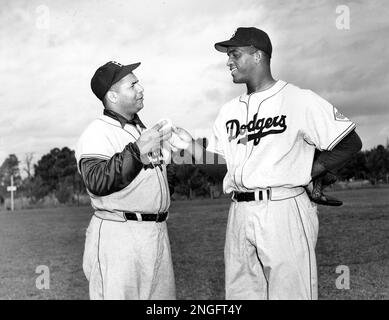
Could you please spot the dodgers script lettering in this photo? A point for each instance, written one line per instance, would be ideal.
(263, 127)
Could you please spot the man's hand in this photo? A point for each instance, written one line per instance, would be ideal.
(316, 187)
(152, 139)
(181, 139)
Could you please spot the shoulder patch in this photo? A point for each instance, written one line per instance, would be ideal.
(339, 116)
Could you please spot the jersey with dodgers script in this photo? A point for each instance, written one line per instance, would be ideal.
(268, 138)
(147, 193)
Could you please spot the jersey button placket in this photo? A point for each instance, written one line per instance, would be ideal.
(246, 146)
(236, 169)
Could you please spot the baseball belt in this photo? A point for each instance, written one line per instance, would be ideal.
(274, 194)
(160, 217)
(249, 196)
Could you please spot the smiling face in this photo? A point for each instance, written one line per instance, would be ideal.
(241, 61)
(127, 95)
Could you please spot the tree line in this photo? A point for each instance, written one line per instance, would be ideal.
(56, 174)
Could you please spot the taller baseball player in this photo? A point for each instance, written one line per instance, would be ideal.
(127, 250)
(268, 136)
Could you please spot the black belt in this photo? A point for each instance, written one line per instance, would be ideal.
(249, 196)
(160, 217)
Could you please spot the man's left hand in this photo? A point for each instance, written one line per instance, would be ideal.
(316, 187)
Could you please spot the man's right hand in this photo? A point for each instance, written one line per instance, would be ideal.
(181, 139)
(152, 139)
(185, 141)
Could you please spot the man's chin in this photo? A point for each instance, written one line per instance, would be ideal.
(237, 80)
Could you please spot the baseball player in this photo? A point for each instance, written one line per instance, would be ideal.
(268, 136)
(127, 251)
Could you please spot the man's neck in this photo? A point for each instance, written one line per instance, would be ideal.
(118, 116)
(260, 84)
(127, 117)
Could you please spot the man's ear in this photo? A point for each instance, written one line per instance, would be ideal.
(258, 56)
(112, 96)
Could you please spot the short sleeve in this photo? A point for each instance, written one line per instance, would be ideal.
(215, 140)
(324, 125)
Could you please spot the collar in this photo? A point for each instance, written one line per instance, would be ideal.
(123, 120)
(264, 94)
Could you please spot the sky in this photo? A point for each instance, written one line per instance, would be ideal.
(49, 51)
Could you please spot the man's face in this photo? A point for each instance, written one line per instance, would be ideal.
(129, 94)
(241, 63)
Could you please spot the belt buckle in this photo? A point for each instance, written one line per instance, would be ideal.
(265, 194)
(258, 196)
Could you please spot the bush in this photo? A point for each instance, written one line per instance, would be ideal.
(64, 193)
(38, 189)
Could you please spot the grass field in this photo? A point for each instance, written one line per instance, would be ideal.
(355, 235)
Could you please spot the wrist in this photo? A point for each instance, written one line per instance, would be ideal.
(318, 169)
(141, 157)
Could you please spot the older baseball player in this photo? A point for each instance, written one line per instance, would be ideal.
(127, 250)
(268, 136)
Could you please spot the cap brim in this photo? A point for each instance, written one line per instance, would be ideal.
(125, 71)
(224, 45)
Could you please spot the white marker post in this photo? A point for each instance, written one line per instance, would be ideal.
(12, 189)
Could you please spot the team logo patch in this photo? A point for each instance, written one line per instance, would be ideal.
(263, 127)
(339, 116)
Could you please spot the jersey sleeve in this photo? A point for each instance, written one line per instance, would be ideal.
(104, 177)
(215, 140)
(94, 143)
(324, 125)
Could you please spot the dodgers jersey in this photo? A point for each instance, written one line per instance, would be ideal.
(147, 193)
(268, 138)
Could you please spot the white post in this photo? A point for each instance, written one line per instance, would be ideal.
(12, 189)
(12, 193)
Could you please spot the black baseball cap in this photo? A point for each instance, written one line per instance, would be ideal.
(107, 75)
(244, 37)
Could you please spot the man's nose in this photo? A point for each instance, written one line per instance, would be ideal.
(140, 88)
(229, 62)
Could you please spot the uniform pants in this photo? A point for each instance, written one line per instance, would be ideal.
(270, 249)
(128, 260)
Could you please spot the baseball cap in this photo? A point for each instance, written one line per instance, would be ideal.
(244, 37)
(108, 74)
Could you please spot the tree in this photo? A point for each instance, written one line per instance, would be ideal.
(355, 168)
(57, 172)
(28, 157)
(10, 167)
(38, 189)
(27, 183)
(44, 169)
(192, 180)
(377, 161)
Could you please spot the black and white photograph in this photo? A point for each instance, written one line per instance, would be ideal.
(214, 152)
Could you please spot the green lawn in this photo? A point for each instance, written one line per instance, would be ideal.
(355, 235)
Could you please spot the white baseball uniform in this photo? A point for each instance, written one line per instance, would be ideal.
(126, 259)
(268, 140)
